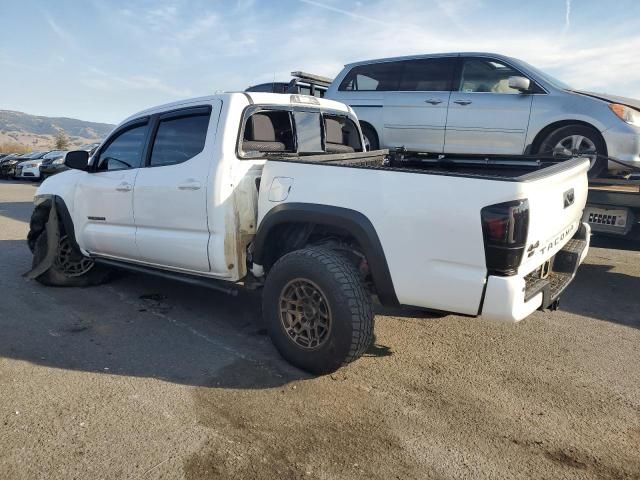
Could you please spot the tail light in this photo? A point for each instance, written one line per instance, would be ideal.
(505, 227)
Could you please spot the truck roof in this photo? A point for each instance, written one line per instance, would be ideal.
(260, 98)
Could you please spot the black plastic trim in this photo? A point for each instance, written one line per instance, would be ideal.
(349, 220)
(67, 221)
(212, 283)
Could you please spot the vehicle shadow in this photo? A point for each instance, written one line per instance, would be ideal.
(141, 326)
(600, 293)
(631, 243)
(138, 326)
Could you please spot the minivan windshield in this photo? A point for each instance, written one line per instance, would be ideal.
(545, 76)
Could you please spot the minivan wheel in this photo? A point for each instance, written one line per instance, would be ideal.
(370, 137)
(317, 310)
(578, 140)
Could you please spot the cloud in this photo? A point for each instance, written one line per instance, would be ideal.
(567, 16)
(343, 12)
(60, 32)
(96, 78)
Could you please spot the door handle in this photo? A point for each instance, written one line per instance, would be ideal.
(124, 187)
(462, 102)
(190, 186)
(433, 101)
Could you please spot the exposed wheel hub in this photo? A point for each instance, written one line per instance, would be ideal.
(305, 314)
(69, 261)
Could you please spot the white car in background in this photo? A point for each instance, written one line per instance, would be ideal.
(483, 103)
(30, 169)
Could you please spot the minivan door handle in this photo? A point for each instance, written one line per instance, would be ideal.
(190, 185)
(433, 101)
(462, 102)
(124, 187)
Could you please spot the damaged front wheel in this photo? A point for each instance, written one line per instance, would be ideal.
(70, 267)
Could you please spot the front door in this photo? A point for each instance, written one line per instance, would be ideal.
(485, 115)
(103, 211)
(415, 115)
(170, 199)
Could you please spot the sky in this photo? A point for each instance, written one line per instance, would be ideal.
(102, 60)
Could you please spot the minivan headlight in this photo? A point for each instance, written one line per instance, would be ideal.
(627, 114)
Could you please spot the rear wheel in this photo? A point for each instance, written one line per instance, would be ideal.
(317, 310)
(371, 141)
(578, 140)
(70, 268)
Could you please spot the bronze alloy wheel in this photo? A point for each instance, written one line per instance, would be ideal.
(305, 314)
(70, 262)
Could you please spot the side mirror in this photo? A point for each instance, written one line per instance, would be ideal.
(77, 159)
(520, 83)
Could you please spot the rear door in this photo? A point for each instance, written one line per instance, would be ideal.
(170, 199)
(415, 114)
(103, 212)
(486, 116)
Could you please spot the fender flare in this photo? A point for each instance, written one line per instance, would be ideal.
(346, 219)
(63, 214)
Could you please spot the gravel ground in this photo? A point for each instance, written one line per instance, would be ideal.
(147, 378)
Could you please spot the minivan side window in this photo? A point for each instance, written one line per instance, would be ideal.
(486, 75)
(179, 139)
(124, 150)
(374, 77)
(427, 75)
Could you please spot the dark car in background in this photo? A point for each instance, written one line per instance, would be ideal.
(54, 161)
(8, 163)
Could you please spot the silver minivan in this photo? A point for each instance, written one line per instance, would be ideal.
(484, 103)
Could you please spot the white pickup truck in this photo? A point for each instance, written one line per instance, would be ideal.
(274, 191)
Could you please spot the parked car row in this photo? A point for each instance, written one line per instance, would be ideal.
(37, 165)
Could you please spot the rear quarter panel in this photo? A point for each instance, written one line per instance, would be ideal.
(429, 225)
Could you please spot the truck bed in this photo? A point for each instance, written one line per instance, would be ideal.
(513, 168)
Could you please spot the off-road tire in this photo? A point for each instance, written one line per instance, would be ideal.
(600, 165)
(54, 277)
(352, 319)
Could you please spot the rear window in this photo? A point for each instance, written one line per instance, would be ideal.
(298, 131)
(374, 77)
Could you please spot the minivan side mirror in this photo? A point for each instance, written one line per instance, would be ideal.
(520, 83)
(77, 159)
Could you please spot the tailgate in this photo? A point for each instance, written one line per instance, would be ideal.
(557, 196)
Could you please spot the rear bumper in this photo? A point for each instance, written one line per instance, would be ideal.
(510, 299)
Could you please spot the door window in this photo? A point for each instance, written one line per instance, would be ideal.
(486, 75)
(124, 151)
(179, 139)
(427, 75)
(377, 76)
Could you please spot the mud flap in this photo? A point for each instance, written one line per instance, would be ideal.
(53, 239)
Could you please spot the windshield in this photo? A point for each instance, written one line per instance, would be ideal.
(54, 154)
(545, 76)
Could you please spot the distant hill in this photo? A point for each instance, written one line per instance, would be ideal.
(21, 131)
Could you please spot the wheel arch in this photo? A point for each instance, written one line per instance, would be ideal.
(364, 124)
(307, 216)
(38, 222)
(535, 145)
